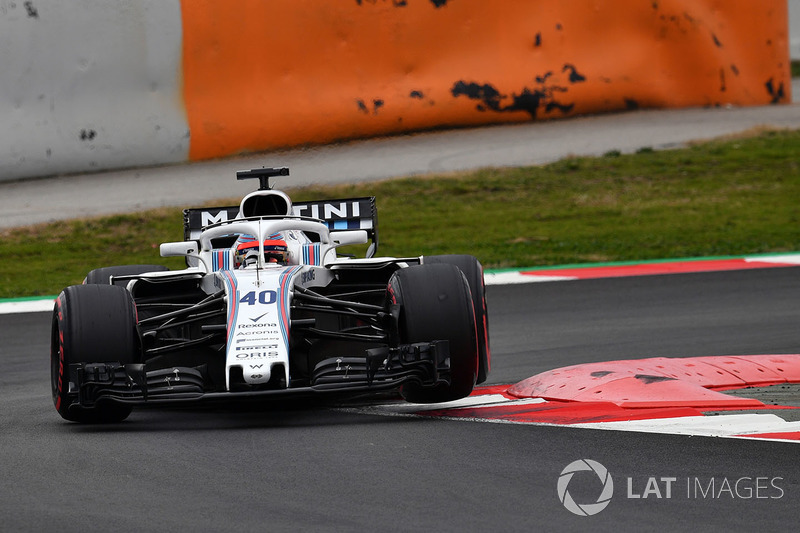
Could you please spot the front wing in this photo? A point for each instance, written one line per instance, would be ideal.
(381, 370)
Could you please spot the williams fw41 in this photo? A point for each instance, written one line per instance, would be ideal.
(267, 308)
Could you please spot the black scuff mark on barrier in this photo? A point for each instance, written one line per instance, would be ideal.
(649, 380)
(574, 76)
(722, 85)
(716, 41)
(601, 373)
(439, 3)
(631, 104)
(488, 95)
(88, 135)
(31, 10)
(777, 94)
(735, 69)
(529, 100)
(537, 41)
(420, 96)
(377, 103)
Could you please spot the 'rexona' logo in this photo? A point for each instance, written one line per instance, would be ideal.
(585, 509)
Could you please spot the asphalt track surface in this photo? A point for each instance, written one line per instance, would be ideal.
(317, 467)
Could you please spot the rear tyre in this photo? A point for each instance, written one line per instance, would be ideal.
(435, 304)
(102, 276)
(473, 271)
(91, 324)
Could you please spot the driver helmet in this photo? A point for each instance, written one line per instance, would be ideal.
(275, 251)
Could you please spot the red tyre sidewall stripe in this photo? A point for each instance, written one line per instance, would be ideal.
(486, 330)
(475, 332)
(61, 380)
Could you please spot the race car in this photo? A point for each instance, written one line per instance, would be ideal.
(267, 308)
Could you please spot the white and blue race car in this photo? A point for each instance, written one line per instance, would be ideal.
(267, 308)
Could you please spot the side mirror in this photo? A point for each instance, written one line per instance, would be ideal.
(179, 249)
(356, 236)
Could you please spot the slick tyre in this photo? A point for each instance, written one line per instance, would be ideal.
(102, 276)
(436, 304)
(473, 271)
(91, 324)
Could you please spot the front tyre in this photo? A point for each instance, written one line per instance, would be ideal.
(91, 324)
(435, 304)
(473, 271)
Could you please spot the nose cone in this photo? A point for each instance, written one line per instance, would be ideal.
(256, 373)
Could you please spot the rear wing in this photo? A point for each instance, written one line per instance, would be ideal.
(338, 215)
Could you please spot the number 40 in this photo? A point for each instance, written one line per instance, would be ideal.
(264, 298)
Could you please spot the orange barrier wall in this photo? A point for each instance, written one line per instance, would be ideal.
(266, 74)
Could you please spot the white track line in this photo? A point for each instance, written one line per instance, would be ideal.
(734, 425)
(512, 278)
(26, 306)
(788, 259)
(483, 400)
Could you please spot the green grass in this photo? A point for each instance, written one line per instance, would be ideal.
(730, 197)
